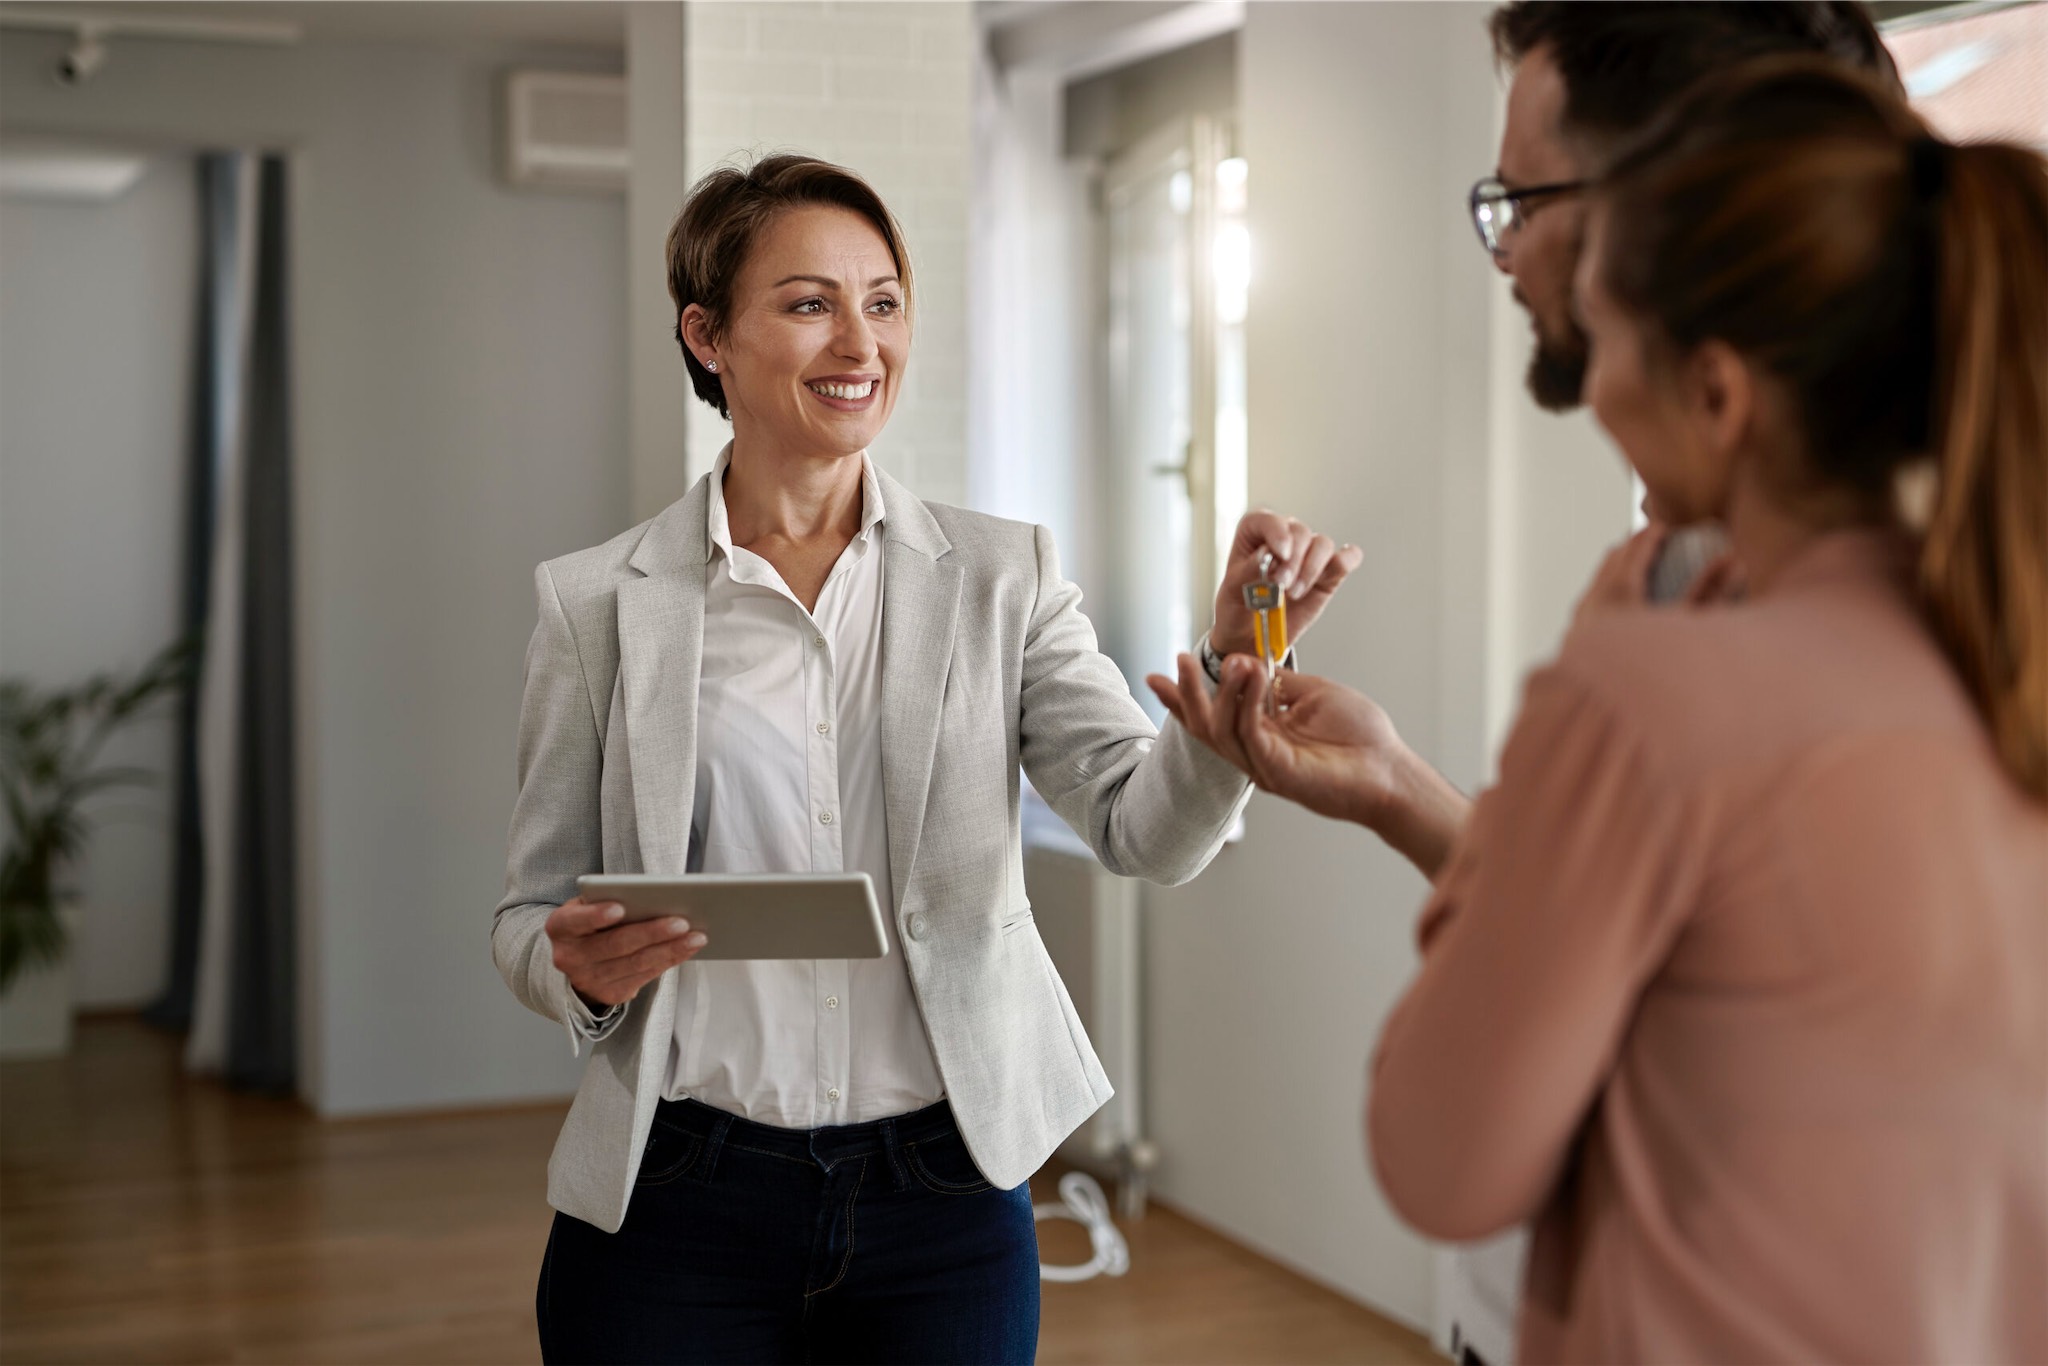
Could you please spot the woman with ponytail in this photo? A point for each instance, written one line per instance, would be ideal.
(1737, 982)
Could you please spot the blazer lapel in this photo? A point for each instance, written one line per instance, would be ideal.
(920, 608)
(661, 651)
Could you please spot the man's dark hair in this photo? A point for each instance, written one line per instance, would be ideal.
(1622, 61)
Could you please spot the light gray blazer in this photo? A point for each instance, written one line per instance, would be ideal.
(987, 663)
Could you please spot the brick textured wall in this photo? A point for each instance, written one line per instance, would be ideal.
(882, 88)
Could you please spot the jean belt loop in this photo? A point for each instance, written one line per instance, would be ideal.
(894, 1149)
(701, 1169)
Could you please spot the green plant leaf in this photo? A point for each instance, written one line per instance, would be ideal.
(49, 744)
(30, 936)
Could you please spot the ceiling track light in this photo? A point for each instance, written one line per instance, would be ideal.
(85, 58)
(89, 52)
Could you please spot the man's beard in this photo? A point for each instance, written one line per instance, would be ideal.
(1557, 371)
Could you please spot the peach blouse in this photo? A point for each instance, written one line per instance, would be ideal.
(1737, 985)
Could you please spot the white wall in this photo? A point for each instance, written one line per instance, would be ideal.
(96, 317)
(1036, 306)
(1115, 111)
(1562, 497)
(883, 88)
(460, 414)
(658, 389)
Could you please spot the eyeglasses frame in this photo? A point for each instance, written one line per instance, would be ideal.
(1491, 190)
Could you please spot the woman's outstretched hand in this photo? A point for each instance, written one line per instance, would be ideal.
(1333, 750)
(1330, 748)
(608, 958)
(1307, 565)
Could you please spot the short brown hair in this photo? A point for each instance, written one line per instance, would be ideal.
(724, 214)
(1893, 283)
(1622, 61)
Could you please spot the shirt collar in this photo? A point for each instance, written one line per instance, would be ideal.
(718, 525)
(1864, 552)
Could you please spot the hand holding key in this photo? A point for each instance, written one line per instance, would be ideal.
(1299, 571)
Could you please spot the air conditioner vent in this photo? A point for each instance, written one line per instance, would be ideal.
(565, 130)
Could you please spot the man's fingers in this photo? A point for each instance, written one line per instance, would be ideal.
(1624, 575)
(1640, 554)
(1717, 581)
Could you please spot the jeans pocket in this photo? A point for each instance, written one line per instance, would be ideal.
(943, 1166)
(670, 1153)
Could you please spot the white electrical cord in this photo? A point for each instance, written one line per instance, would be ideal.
(1082, 1200)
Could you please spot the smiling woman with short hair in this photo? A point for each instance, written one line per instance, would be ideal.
(801, 667)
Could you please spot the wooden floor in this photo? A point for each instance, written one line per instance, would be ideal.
(148, 1218)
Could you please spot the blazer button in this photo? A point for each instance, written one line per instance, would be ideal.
(916, 925)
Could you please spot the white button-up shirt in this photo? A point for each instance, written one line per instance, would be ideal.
(789, 779)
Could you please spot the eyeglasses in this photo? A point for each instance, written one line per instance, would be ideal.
(1498, 212)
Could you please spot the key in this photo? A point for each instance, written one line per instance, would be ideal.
(1268, 606)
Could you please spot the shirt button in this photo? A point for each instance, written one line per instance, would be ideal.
(824, 818)
(832, 1094)
(916, 925)
(831, 1003)
(824, 728)
(818, 641)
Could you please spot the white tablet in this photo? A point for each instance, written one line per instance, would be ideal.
(756, 915)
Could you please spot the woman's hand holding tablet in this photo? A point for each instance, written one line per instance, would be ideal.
(755, 915)
(608, 957)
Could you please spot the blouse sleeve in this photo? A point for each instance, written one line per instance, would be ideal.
(1562, 899)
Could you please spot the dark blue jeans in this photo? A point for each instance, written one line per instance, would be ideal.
(875, 1242)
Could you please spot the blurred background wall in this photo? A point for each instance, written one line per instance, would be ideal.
(96, 322)
(459, 354)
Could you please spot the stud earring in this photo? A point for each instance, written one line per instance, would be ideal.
(712, 366)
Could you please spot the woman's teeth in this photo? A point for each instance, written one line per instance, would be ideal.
(846, 391)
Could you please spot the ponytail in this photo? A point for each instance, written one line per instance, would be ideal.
(1897, 286)
(1984, 559)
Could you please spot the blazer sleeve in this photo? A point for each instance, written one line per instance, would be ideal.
(1151, 804)
(1560, 904)
(556, 834)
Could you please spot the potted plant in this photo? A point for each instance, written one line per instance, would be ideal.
(50, 744)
